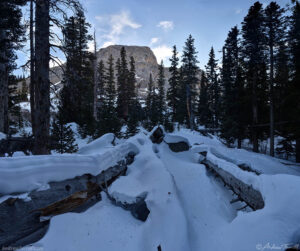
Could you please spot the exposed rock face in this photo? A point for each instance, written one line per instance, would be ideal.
(145, 61)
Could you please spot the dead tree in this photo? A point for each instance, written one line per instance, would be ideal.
(41, 69)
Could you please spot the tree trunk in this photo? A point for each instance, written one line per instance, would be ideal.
(189, 107)
(239, 143)
(42, 83)
(32, 59)
(254, 114)
(298, 150)
(3, 87)
(271, 99)
(95, 79)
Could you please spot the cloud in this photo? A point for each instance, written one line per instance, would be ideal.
(108, 43)
(116, 23)
(162, 52)
(166, 25)
(154, 40)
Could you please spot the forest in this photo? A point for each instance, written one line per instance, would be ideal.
(250, 93)
(105, 146)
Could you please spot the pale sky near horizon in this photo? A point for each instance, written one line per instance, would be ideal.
(160, 24)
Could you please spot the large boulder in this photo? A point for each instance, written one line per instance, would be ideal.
(177, 143)
(157, 135)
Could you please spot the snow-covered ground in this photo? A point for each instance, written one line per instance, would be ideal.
(190, 209)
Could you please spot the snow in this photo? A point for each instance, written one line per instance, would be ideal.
(24, 174)
(190, 209)
(102, 143)
(25, 106)
(2, 136)
(175, 139)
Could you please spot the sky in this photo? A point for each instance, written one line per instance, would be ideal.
(160, 24)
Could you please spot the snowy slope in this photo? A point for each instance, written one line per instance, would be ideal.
(190, 209)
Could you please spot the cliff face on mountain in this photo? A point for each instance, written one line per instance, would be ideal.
(145, 61)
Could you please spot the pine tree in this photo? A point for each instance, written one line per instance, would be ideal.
(232, 127)
(189, 78)
(63, 140)
(285, 147)
(24, 91)
(161, 100)
(77, 94)
(213, 87)
(15, 119)
(100, 83)
(108, 117)
(173, 91)
(204, 114)
(134, 106)
(122, 83)
(294, 88)
(182, 115)
(274, 34)
(151, 105)
(11, 38)
(281, 89)
(254, 62)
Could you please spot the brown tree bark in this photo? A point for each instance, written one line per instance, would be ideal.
(32, 70)
(3, 88)
(95, 79)
(298, 150)
(42, 83)
(254, 114)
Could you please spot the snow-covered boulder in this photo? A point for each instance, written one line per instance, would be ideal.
(98, 145)
(157, 135)
(177, 143)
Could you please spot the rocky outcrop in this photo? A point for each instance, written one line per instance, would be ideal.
(145, 61)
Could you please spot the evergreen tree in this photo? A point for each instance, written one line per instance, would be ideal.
(213, 87)
(189, 78)
(274, 34)
(173, 91)
(232, 126)
(77, 94)
(182, 115)
(134, 106)
(24, 91)
(204, 114)
(161, 100)
(294, 89)
(254, 62)
(151, 105)
(15, 119)
(281, 89)
(108, 117)
(122, 84)
(285, 147)
(63, 140)
(100, 84)
(11, 38)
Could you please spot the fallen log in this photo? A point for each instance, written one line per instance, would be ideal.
(20, 220)
(243, 166)
(245, 192)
